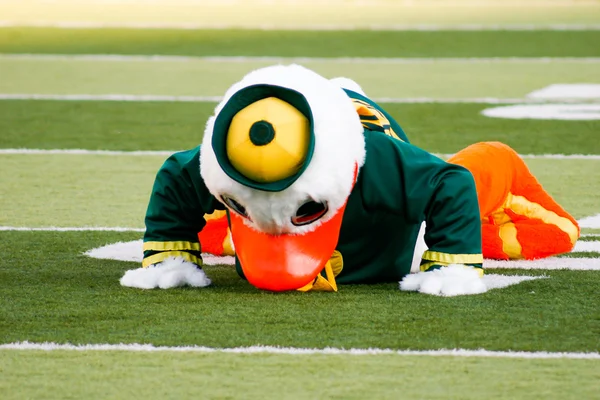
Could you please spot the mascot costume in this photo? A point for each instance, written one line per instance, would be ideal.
(311, 184)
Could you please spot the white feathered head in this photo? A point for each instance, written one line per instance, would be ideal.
(282, 152)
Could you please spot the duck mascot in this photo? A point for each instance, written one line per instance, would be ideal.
(311, 184)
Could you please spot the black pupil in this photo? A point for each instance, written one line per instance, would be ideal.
(310, 208)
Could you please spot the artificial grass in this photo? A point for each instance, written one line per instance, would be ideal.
(439, 128)
(53, 293)
(98, 190)
(572, 183)
(581, 254)
(439, 79)
(591, 238)
(301, 43)
(75, 190)
(119, 375)
(102, 125)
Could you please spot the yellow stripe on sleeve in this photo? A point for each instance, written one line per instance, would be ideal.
(160, 257)
(448, 258)
(164, 246)
(426, 266)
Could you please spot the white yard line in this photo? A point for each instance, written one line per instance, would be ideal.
(276, 59)
(169, 152)
(304, 27)
(551, 263)
(559, 156)
(298, 351)
(590, 222)
(89, 152)
(132, 251)
(71, 229)
(587, 246)
(109, 97)
(478, 100)
(215, 99)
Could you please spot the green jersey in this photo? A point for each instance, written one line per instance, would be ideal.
(398, 187)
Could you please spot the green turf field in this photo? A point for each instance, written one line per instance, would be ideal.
(360, 43)
(52, 292)
(253, 376)
(420, 78)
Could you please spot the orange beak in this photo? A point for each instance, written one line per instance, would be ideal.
(284, 262)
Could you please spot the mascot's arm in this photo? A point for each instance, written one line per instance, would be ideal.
(175, 215)
(407, 180)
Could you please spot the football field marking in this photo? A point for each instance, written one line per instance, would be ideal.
(550, 263)
(560, 91)
(415, 80)
(138, 153)
(71, 229)
(76, 152)
(588, 246)
(565, 112)
(276, 59)
(135, 347)
(111, 97)
(216, 99)
(557, 93)
(592, 222)
(132, 251)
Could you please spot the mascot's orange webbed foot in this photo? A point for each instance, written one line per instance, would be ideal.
(520, 220)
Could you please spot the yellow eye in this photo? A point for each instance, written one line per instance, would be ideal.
(268, 140)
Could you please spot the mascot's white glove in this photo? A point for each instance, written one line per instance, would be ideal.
(170, 273)
(453, 280)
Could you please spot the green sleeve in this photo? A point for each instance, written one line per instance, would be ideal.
(405, 180)
(176, 210)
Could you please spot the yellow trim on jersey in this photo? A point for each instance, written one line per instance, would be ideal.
(426, 266)
(520, 205)
(367, 112)
(453, 258)
(160, 257)
(510, 244)
(163, 246)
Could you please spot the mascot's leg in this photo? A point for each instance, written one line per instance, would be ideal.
(520, 220)
(215, 238)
